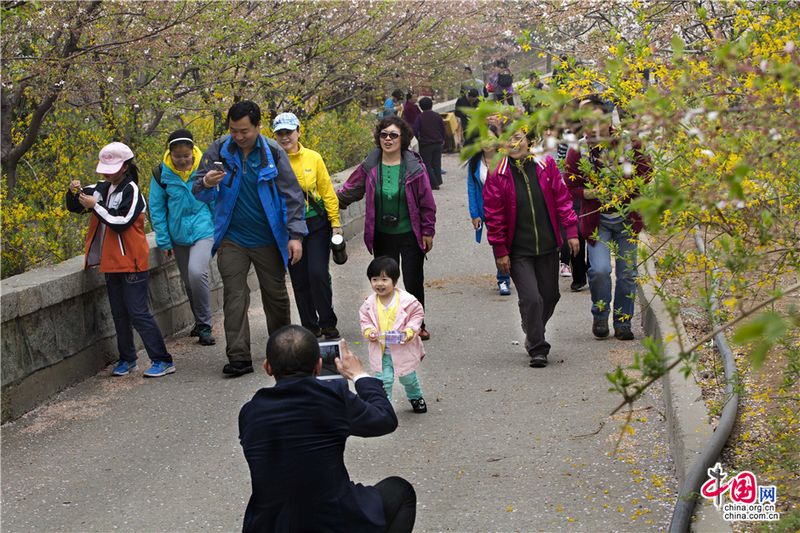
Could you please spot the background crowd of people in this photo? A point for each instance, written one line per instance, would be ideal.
(270, 203)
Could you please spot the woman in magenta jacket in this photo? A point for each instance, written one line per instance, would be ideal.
(400, 213)
(524, 201)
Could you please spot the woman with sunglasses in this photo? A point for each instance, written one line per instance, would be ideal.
(400, 213)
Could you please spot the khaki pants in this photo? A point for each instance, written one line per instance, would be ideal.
(234, 262)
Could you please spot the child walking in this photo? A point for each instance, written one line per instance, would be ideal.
(117, 243)
(391, 319)
(184, 225)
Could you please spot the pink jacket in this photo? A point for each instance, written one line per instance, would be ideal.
(405, 357)
(500, 205)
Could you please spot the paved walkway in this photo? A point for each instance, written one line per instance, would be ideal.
(504, 447)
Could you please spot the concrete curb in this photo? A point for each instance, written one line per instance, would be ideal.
(687, 419)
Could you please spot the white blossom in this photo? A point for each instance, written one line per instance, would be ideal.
(775, 134)
(627, 168)
(789, 48)
(110, 79)
(695, 132)
(712, 115)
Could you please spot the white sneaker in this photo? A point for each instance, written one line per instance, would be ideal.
(566, 271)
(505, 290)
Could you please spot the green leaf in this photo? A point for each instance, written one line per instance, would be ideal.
(764, 330)
(678, 46)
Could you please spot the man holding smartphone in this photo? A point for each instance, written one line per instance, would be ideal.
(293, 436)
(259, 219)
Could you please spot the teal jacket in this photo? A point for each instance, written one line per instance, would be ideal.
(176, 215)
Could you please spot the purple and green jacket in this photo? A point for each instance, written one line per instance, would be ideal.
(421, 206)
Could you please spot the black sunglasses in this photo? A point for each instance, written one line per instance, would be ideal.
(389, 135)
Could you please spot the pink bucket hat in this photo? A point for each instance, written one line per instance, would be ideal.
(112, 156)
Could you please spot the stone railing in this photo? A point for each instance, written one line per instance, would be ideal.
(57, 328)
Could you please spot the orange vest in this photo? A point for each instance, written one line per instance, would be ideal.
(118, 252)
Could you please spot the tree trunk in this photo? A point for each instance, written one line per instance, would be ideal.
(12, 154)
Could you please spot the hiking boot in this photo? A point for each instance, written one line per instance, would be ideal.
(538, 360)
(330, 333)
(600, 327)
(123, 368)
(238, 368)
(419, 405)
(204, 332)
(505, 290)
(623, 333)
(195, 330)
(158, 369)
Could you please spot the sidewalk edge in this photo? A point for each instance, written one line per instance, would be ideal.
(688, 426)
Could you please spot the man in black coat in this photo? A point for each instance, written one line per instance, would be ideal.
(293, 436)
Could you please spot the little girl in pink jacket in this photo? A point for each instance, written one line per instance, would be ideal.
(391, 319)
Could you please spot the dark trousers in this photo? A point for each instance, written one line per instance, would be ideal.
(536, 279)
(432, 155)
(577, 263)
(405, 250)
(127, 294)
(311, 279)
(399, 504)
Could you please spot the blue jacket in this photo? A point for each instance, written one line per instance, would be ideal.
(293, 436)
(176, 215)
(475, 192)
(280, 193)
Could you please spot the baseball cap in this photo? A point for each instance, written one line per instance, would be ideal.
(285, 121)
(112, 156)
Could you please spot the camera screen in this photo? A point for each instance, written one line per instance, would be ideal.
(329, 351)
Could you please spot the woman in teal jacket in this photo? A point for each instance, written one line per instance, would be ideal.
(184, 226)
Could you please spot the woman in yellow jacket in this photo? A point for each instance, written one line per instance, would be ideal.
(310, 277)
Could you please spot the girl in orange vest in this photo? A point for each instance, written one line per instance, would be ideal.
(117, 244)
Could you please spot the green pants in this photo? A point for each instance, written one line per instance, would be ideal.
(409, 381)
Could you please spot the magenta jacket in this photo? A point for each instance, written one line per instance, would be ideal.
(500, 204)
(421, 206)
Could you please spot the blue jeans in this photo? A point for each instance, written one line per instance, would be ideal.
(503, 277)
(127, 294)
(613, 231)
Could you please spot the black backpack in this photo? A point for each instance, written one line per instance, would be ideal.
(157, 176)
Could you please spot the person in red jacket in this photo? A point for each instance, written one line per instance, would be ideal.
(525, 201)
(602, 225)
(117, 243)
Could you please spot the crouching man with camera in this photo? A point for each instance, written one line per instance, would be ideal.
(399, 210)
(293, 436)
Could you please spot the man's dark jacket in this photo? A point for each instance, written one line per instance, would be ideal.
(293, 436)
(429, 128)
